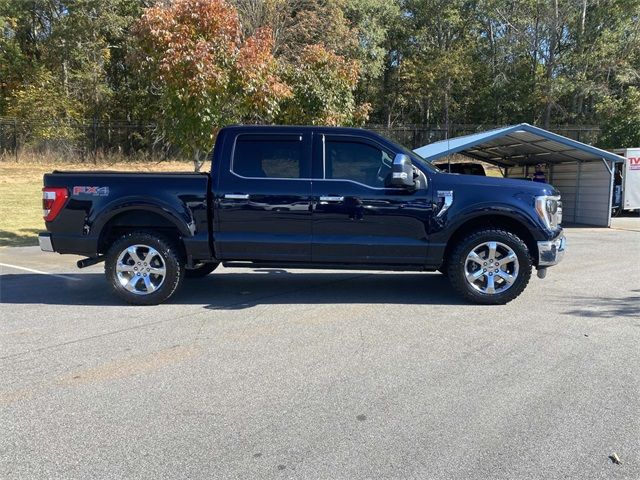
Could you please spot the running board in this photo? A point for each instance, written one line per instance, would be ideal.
(328, 266)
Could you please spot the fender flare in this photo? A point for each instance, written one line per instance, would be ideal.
(495, 210)
(181, 220)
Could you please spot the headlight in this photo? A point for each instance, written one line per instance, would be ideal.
(549, 210)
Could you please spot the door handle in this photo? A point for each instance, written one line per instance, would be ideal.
(331, 199)
(236, 196)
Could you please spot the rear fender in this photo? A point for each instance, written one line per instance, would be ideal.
(181, 219)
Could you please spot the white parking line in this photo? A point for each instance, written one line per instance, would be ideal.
(39, 272)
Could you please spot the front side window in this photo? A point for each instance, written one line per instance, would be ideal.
(269, 156)
(357, 161)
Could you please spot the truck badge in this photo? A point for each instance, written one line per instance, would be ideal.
(95, 191)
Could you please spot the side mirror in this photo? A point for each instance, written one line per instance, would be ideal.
(402, 172)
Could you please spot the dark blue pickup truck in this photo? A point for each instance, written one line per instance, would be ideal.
(305, 197)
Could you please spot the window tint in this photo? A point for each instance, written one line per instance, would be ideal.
(272, 156)
(356, 161)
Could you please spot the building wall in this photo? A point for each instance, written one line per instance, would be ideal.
(585, 188)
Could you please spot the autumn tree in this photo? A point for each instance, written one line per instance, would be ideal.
(207, 76)
(321, 54)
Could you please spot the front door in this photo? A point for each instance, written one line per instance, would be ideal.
(263, 200)
(356, 218)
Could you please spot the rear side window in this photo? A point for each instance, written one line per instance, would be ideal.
(269, 156)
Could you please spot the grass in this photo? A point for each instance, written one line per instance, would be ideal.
(21, 191)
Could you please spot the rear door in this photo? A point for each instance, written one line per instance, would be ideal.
(263, 198)
(356, 218)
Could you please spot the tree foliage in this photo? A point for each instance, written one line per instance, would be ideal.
(323, 84)
(191, 66)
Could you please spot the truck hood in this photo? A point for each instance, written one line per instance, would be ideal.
(525, 186)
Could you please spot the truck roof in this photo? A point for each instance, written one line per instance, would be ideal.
(275, 128)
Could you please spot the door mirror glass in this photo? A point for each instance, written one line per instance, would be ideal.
(402, 172)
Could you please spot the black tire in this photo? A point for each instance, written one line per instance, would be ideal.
(167, 252)
(457, 265)
(200, 270)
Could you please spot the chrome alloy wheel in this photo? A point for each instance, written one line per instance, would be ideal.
(141, 269)
(491, 267)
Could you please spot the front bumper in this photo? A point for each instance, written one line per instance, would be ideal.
(551, 252)
(44, 240)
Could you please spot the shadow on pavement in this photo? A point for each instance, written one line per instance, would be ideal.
(234, 291)
(607, 307)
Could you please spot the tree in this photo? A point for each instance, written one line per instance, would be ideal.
(44, 111)
(207, 77)
(323, 84)
(621, 126)
(298, 23)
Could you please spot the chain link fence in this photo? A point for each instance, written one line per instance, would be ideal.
(120, 140)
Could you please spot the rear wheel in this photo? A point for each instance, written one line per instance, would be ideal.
(490, 267)
(144, 268)
(200, 270)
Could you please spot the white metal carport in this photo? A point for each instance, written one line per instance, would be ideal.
(582, 173)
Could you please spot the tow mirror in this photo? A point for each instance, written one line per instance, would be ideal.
(402, 172)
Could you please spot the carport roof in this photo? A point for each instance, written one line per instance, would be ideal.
(517, 144)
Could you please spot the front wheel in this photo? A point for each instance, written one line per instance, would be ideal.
(490, 267)
(144, 268)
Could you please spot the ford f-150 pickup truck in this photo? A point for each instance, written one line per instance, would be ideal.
(305, 197)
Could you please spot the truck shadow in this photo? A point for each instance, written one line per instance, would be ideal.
(236, 291)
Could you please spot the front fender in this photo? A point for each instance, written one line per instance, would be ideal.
(491, 209)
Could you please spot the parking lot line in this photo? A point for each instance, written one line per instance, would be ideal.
(39, 272)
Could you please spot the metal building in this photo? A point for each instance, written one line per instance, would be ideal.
(583, 173)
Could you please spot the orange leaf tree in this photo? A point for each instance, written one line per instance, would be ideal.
(206, 75)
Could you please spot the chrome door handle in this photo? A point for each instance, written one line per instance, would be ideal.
(236, 196)
(331, 198)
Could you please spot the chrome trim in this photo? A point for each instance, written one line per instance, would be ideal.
(318, 180)
(551, 252)
(448, 201)
(308, 179)
(330, 198)
(44, 240)
(236, 196)
(324, 154)
(358, 183)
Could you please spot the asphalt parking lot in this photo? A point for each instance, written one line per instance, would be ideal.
(313, 374)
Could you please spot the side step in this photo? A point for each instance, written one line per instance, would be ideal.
(328, 266)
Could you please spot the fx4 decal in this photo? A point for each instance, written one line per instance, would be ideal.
(95, 191)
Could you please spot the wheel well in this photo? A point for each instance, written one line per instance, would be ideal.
(137, 220)
(494, 221)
